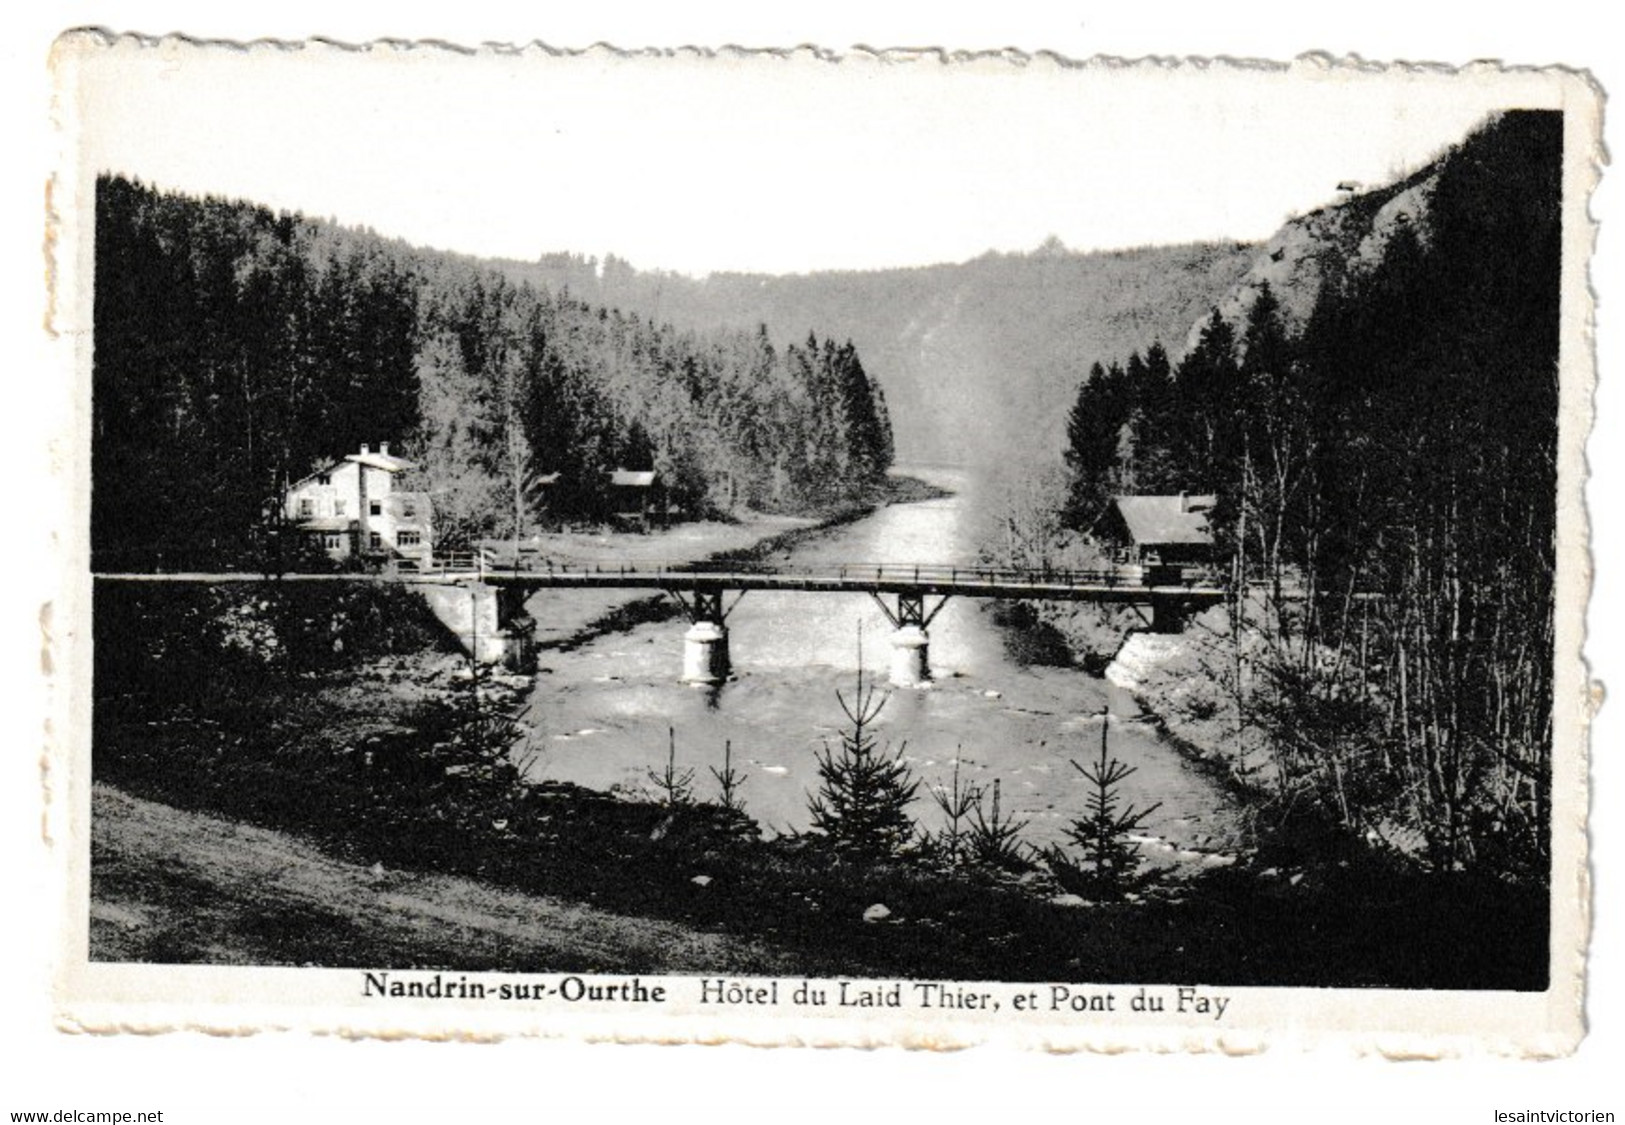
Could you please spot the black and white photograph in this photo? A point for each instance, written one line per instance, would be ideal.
(807, 546)
(990, 575)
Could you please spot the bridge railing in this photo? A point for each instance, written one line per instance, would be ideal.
(445, 562)
(489, 562)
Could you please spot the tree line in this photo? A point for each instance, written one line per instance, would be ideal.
(237, 349)
(1387, 484)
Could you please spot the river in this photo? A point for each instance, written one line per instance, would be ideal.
(599, 714)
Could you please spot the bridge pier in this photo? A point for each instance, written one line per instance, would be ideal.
(910, 657)
(911, 644)
(705, 645)
(705, 653)
(488, 621)
(1168, 614)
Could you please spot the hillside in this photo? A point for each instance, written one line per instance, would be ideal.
(1375, 407)
(237, 350)
(975, 358)
(1334, 249)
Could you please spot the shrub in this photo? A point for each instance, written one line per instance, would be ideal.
(976, 832)
(995, 836)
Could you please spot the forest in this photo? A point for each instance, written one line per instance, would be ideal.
(237, 349)
(1387, 481)
(979, 358)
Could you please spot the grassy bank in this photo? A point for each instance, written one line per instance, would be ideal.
(173, 886)
(800, 910)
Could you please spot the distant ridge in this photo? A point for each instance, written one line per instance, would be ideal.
(973, 357)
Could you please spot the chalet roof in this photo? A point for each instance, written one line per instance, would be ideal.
(630, 478)
(1155, 520)
(385, 461)
(374, 459)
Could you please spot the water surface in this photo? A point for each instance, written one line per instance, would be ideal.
(599, 714)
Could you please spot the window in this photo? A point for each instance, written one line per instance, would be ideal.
(409, 539)
(332, 540)
(325, 478)
(409, 509)
(338, 506)
(307, 507)
(375, 541)
(375, 507)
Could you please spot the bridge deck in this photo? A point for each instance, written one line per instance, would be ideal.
(964, 585)
(1108, 585)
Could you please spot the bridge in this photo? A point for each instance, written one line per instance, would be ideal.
(490, 618)
(904, 594)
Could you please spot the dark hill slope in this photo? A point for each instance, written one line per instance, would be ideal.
(1488, 202)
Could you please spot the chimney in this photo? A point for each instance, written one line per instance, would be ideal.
(384, 448)
(365, 449)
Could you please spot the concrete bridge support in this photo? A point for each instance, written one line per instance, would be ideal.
(910, 657)
(1168, 614)
(911, 644)
(705, 645)
(705, 653)
(489, 622)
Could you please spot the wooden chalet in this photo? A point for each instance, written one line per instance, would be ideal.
(1160, 531)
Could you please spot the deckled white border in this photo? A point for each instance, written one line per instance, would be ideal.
(1383, 1023)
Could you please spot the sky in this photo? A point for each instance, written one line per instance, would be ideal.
(772, 164)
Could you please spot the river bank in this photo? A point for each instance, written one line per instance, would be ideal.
(571, 882)
(564, 621)
(178, 887)
(1184, 686)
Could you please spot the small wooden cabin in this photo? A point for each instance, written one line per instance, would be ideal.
(1161, 530)
(634, 494)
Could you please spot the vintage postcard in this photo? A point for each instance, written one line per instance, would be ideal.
(790, 547)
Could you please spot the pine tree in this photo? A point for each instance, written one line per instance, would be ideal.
(1208, 401)
(238, 348)
(862, 802)
(1160, 458)
(1110, 859)
(675, 787)
(1095, 441)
